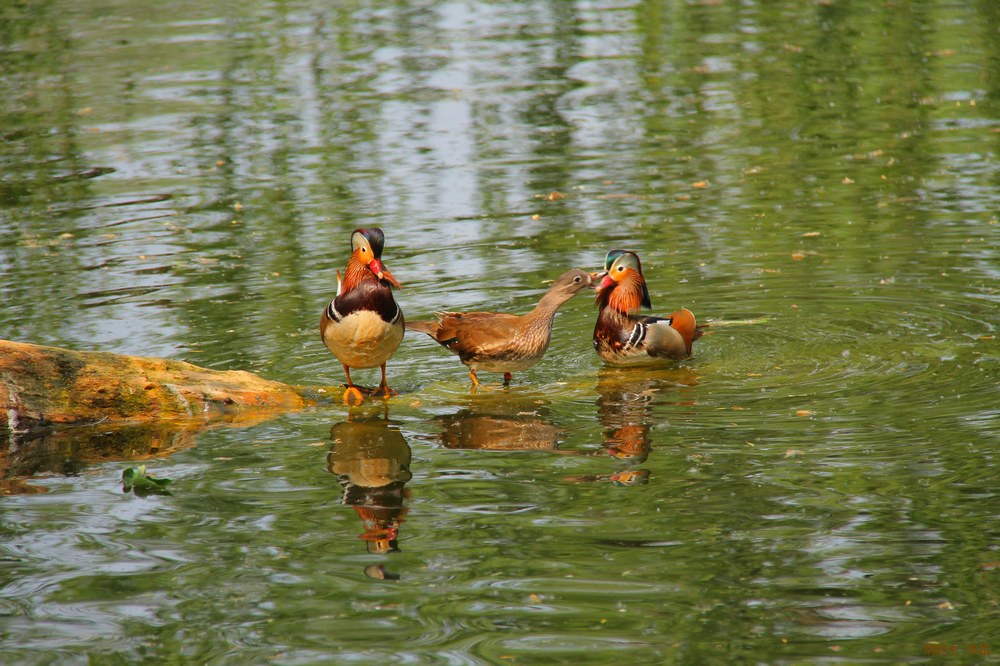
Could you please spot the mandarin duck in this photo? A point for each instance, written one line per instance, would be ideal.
(498, 342)
(363, 325)
(622, 336)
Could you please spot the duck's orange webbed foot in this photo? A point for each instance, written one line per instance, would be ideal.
(353, 395)
(383, 387)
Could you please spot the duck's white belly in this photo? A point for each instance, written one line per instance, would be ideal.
(362, 339)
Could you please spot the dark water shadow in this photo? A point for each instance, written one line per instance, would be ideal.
(68, 451)
(371, 460)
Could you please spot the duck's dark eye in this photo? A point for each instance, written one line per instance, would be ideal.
(576, 279)
(621, 268)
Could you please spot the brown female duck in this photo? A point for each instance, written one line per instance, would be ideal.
(363, 325)
(622, 336)
(498, 342)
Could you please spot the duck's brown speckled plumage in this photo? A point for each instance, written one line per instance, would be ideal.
(499, 342)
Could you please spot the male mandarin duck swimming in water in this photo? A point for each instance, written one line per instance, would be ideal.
(622, 336)
(497, 342)
(363, 325)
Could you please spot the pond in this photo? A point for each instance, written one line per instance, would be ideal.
(818, 180)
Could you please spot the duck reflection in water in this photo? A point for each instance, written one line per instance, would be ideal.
(502, 423)
(371, 460)
(626, 397)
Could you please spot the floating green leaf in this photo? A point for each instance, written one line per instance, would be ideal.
(142, 484)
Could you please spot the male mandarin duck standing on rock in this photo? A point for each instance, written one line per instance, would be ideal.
(498, 342)
(622, 336)
(363, 325)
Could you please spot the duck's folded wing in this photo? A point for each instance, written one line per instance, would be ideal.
(479, 333)
(661, 337)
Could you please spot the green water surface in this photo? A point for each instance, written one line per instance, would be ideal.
(817, 484)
